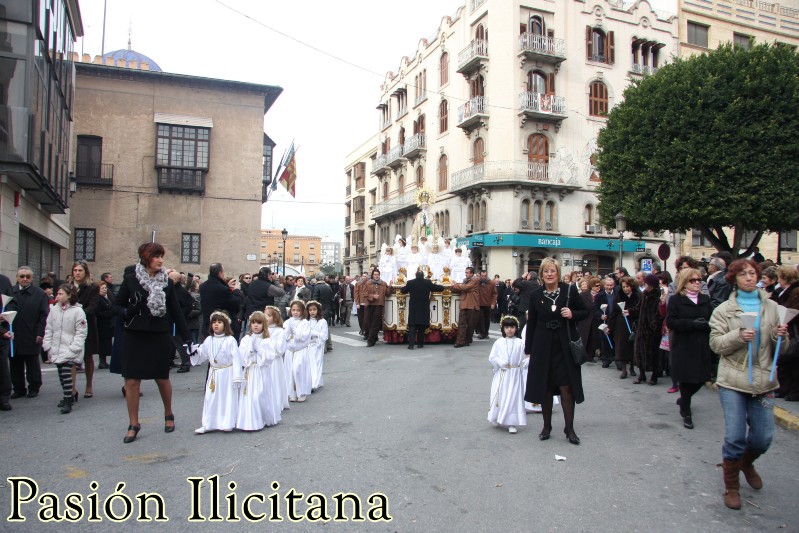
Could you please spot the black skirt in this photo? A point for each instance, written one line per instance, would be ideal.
(558, 375)
(146, 354)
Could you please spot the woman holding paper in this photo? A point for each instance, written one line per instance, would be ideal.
(621, 319)
(687, 318)
(744, 332)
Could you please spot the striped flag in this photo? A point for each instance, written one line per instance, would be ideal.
(289, 176)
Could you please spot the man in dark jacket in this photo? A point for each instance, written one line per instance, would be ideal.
(186, 302)
(608, 297)
(30, 303)
(5, 372)
(216, 295)
(419, 307)
(717, 287)
(526, 285)
(322, 293)
(262, 292)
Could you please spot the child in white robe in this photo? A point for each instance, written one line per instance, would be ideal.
(220, 406)
(510, 374)
(316, 349)
(388, 266)
(256, 399)
(298, 361)
(277, 338)
(414, 261)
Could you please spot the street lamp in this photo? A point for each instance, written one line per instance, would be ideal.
(269, 260)
(621, 226)
(285, 235)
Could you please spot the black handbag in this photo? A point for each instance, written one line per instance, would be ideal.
(575, 346)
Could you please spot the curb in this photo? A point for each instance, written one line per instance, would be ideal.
(786, 419)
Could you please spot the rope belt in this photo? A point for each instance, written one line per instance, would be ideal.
(212, 386)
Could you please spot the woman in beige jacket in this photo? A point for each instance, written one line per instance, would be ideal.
(748, 405)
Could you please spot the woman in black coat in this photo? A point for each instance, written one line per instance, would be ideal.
(648, 331)
(151, 310)
(419, 307)
(622, 342)
(88, 295)
(687, 318)
(551, 310)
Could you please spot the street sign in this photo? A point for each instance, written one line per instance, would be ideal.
(646, 266)
(251, 257)
(641, 249)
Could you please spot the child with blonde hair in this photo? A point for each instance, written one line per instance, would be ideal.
(316, 350)
(298, 363)
(256, 399)
(278, 374)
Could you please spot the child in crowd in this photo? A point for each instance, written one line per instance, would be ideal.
(278, 374)
(316, 350)
(220, 407)
(256, 399)
(298, 364)
(64, 336)
(510, 374)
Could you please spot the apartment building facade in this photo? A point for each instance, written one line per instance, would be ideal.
(360, 241)
(495, 119)
(303, 253)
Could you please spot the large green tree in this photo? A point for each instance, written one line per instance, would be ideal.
(708, 142)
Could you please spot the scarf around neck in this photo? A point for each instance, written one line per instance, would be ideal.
(156, 297)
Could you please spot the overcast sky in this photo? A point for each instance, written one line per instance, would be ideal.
(327, 105)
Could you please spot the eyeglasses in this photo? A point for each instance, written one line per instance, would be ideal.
(694, 280)
(24, 276)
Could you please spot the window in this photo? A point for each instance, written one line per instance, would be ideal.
(40, 255)
(549, 217)
(385, 189)
(536, 25)
(697, 239)
(88, 166)
(296, 245)
(401, 183)
(190, 251)
(788, 241)
(598, 99)
(267, 159)
(697, 34)
(744, 41)
(296, 258)
(477, 87)
(478, 150)
(538, 207)
(419, 176)
(525, 214)
(442, 173)
(312, 246)
(85, 244)
(263, 245)
(312, 258)
(536, 82)
(182, 156)
(263, 256)
(443, 109)
(538, 149)
(443, 69)
(599, 45)
(483, 215)
(280, 245)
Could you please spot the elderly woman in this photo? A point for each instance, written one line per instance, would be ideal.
(687, 317)
(648, 331)
(151, 309)
(788, 368)
(748, 404)
(622, 344)
(553, 312)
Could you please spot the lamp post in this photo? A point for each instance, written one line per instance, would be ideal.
(269, 260)
(285, 235)
(621, 226)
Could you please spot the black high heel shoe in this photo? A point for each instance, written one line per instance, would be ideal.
(135, 429)
(572, 437)
(169, 418)
(544, 435)
(74, 400)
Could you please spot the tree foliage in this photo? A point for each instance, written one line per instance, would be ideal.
(707, 142)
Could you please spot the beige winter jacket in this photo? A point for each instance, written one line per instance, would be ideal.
(65, 334)
(725, 340)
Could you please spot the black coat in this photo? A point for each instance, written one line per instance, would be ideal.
(322, 293)
(540, 339)
(526, 289)
(107, 311)
(690, 340)
(32, 308)
(261, 293)
(215, 295)
(622, 343)
(5, 288)
(648, 331)
(419, 300)
(584, 325)
(185, 301)
(132, 297)
(88, 295)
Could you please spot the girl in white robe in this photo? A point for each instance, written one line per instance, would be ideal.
(437, 261)
(388, 266)
(414, 261)
(316, 349)
(220, 406)
(277, 338)
(401, 253)
(257, 407)
(298, 361)
(510, 374)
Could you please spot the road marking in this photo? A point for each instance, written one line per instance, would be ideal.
(348, 342)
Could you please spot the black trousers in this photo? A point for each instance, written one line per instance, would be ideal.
(467, 320)
(362, 317)
(5, 374)
(374, 319)
(416, 334)
(22, 366)
(484, 322)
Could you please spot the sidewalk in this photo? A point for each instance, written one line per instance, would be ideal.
(786, 414)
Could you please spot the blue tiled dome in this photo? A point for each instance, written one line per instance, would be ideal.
(132, 55)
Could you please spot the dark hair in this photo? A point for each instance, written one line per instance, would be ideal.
(693, 263)
(219, 316)
(148, 251)
(301, 305)
(104, 275)
(318, 306)
(373, 272)
(215, 269)
(737, 266)
(508, 321)
(70, 291)
(470, 268)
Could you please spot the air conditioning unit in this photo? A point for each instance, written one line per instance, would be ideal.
(592, 228)
(525, 223)
(469, 228)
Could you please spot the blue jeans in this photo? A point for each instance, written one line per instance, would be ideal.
(741, 409)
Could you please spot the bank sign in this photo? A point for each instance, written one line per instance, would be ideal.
(518, 240)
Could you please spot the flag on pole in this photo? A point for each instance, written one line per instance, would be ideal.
(289, 176)
(281, 164)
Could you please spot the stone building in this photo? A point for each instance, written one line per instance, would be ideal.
(360, 244)
(487, 132)
(303, 253)
(177, 159)
(37, 88)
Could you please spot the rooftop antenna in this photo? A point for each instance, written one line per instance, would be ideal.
(130, 31)
(105, 8)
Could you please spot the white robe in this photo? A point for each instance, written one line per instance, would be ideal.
(278, 374)
(220, 406)
(414, 260)
(316, 349)
(298, 361)
(257, 407)
(507, 387)
(457, 266)
(401, 254)
(424, 252)
(388, 268)
(437, 262)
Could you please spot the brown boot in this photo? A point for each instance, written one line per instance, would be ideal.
(732, 484)
(748, 468)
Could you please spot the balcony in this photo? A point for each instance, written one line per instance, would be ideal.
(421, 98)
(394, 158)
(541, 48)
(415, 146)
(360, 183)
(348, 190)
(601, 58)
(399, 202)
(401, 112)
(514, 173)
(381, 164)
(544, 107)
(181, 180)
(473, 56)
(346, 222)
(94, 174)
(476, 3)
(473, 113)
(643, 69)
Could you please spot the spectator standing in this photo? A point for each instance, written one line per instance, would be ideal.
(30, 303)
(215, 295)
(470, 307)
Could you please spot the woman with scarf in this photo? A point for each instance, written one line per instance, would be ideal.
(652, 311)
(148, 296)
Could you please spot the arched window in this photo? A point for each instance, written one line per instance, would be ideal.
(483, 215)
(477, 86)
(549, 216)
(401, 138)
(536, 26)
(420, 176)
(443, 111)
(538, 157)
(477, 151)
(385, 189)
(401, 183)
(469, 215)
(536, 82)
(538, 208)
(418, 125)
(446, 222)
(442, 173)
(599, 45)
(480, 33)
(525, 214)
(598, 99)
(443, 69)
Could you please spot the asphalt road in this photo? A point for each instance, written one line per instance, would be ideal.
(409, 425)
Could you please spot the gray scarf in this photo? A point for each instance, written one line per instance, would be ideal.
(156, 298)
